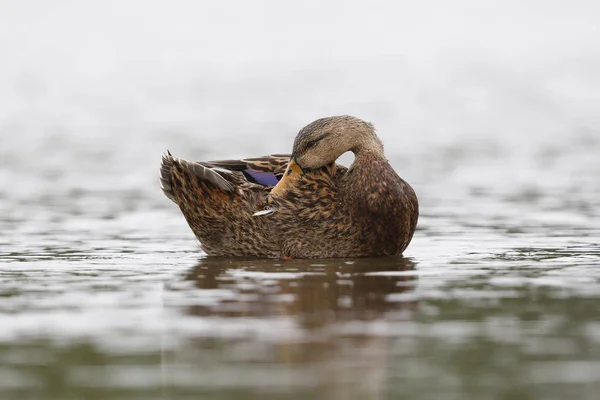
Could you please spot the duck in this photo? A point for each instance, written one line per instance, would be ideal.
(298, 205)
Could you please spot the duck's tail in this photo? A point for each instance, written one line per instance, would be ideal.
(165, 175)
(201, 171)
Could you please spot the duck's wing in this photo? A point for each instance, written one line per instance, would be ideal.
(265, 171)
(197, 169)
(227, 174)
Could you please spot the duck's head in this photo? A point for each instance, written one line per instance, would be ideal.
(322, 142)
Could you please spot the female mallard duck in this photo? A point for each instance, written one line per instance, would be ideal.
(312, 207)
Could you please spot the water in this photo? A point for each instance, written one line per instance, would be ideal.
(104, 292)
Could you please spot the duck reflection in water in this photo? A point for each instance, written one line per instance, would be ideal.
(315, 292)
(316, 328)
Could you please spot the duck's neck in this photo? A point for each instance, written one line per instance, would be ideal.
(368, 169)
(368, 183)
(367, 151)
(369, 148)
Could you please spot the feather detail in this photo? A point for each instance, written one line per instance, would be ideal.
(165, 176)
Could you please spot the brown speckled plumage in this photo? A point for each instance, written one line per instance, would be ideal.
(320, 209)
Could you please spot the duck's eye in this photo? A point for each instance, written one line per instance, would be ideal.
(311, 144)
(289, 171)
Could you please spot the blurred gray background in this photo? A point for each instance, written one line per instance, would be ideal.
(144, 75)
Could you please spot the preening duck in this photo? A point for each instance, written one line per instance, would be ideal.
(298, 205)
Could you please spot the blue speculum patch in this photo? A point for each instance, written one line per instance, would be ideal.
(262, 178)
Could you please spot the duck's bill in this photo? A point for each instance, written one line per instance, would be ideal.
(290, 176)
(266, 211)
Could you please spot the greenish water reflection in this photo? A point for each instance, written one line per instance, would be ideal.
(362, 328)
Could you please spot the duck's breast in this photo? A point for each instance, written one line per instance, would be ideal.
(383, 205)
